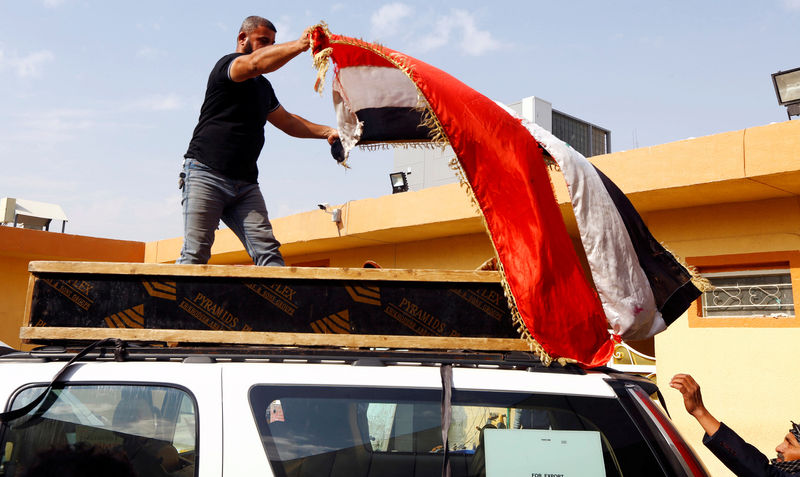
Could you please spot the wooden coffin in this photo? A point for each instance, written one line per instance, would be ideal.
(435, 309)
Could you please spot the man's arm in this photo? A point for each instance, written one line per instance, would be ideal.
(268, 59)
(737, 455)
(297, 126)
(693, 401)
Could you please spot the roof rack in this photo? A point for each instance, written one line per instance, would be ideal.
(276, 354)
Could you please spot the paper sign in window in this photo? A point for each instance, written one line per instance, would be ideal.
(543, 453)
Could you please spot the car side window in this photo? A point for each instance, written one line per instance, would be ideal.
(139, 430)
(372, 432)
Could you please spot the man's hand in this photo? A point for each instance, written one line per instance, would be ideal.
(305, 39)
(693, 401)
(331, 135)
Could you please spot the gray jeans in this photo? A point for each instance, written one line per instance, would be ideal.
(209, 196)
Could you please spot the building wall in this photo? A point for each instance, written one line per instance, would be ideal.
(20, 246)
(730, 200)
(744, 365)
(747, 376)
(462, 252)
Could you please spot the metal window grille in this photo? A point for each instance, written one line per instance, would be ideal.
(749, 293)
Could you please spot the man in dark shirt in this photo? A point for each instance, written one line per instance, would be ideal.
(740, 457)
(220, 177)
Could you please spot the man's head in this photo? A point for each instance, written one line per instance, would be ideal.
(256, 32)
(789, 448)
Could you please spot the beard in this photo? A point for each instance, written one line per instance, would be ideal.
(248, 48)
(792, 466)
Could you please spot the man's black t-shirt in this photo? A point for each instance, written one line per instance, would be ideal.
(230, 132)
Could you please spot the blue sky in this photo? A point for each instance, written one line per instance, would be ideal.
(98, 99)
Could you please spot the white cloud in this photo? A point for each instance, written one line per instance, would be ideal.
(458, 30)
(29, 66)
(461, 26)
(126, 214)
(59, 124)
(387, 20)
(157, 102)
(34, 136)
(53, 3)
(46, 130)
(49, 130)
(439, 35)
(36, 183)
(792, 4)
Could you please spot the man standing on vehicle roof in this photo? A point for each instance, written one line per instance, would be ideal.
(220, 177)
(740, 457)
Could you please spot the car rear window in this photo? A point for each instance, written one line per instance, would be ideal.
(365, 432)
(141, 430)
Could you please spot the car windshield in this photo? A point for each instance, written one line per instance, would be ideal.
(140, 430)
(354, 431)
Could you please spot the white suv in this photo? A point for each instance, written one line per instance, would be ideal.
(247, 411)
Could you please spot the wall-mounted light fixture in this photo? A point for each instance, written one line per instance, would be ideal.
(399, 182)
(787, 89)
(336, 214)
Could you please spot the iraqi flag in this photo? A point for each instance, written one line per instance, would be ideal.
(642, 287)
(383, 96)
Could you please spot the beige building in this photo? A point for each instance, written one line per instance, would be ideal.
(728, 203)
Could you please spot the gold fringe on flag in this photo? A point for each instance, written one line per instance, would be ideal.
(431, 122)
(698, 280)
(386, 145)
(535, 347)
(320, 59)
(321, 64)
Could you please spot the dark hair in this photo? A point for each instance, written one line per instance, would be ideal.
(252, 22)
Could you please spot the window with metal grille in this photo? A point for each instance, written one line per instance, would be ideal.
(749, 293)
